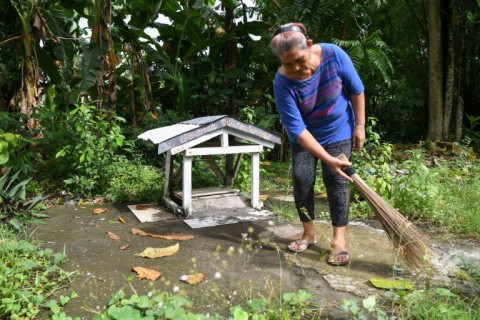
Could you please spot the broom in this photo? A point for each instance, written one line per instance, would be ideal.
(405, 236)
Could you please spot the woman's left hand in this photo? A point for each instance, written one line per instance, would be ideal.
(358, 138)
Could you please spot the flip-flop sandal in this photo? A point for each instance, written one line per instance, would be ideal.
(334, 260)
(299, 246)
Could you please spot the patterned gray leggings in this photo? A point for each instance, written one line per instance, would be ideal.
(304, 175)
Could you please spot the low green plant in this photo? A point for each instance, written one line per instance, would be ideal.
(472, 270)
(472, 130)
(370, 309)
(243, 180)
(15, 208)
(373, 164)
(158, 306)
(373, 161)
(30, 277)
(415, 189)
(292, 305)
(438, 303)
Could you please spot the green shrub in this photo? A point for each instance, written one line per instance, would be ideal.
(92, 140)
(134, 182)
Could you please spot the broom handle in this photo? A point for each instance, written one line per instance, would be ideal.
(350, 171)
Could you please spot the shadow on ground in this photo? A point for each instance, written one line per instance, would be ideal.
(240, 261)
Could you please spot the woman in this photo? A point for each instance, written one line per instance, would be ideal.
(321, 102)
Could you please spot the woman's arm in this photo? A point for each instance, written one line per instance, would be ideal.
(358, 103)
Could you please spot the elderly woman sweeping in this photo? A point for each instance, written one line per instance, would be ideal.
(321, 102)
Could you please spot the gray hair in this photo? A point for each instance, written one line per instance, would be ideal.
(286, 41)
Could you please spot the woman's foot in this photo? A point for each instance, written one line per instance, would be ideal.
(303, 244)
(338, 253)
(340, 258)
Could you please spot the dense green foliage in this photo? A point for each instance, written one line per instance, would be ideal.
(97, 74)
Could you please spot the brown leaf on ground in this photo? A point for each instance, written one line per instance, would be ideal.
(99, 211)
(176, 237)
(122, 220)
(113, 236)
(264, 197)
(145, 273)
(153, 253)
(193, 279)
(142, 206)
(281, 180)
(124, 247)
(138, 232)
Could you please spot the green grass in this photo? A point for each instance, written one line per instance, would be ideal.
(457, 206)
(285, 210)
(439, 303)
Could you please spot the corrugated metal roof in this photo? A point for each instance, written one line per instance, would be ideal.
(179, 136)
(162, 134)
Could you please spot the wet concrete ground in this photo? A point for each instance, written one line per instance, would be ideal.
(241, 261)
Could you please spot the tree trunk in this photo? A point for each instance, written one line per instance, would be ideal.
(435, 116)
(450, 79)
(28, 96)
(229, 62)
(462, 81)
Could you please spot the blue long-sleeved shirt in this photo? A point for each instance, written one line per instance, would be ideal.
(320, 104)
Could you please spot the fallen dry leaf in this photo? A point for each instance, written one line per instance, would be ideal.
(113, 236)
(145, 273)
(99, 211)
(193, 279)
(281, 180)
(264, 197)
(176, 237)
(153, 253)
(124, 247)
(122, 220)
(142, 206)
(138, 232)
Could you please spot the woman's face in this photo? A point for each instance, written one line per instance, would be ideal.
(296, 62)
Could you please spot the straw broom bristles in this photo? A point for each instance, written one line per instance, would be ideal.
(404, 235)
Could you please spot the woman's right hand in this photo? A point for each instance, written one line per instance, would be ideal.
(337, 165)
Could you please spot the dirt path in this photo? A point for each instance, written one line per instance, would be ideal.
(240, 261)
